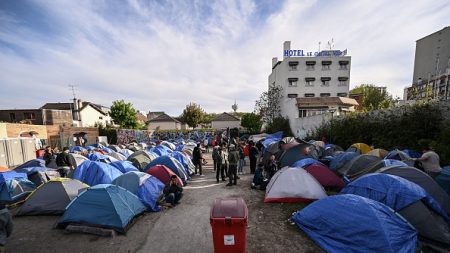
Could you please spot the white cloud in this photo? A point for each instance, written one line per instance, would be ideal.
(161, 57)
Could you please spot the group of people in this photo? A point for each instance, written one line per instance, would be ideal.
(61, 161)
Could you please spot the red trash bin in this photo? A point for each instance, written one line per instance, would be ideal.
(228, 220)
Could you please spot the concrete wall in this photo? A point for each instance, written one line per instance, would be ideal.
(164, 126)
(224, 124)
(90, 116)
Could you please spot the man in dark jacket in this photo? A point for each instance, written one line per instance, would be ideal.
(173, 192)
(220, 171)
(253, 156)
(197, 159)
(63, 162)
(233, 159)
(48, 156)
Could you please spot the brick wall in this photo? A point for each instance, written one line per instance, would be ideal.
(15, 130)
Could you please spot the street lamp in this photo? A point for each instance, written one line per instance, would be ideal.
(331, 122)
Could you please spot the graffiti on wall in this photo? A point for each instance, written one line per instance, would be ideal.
(125, 136)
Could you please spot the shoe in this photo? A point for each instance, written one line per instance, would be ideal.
(217, 181)
(234, 184)
(238, 177)
(202, 175)
(229, 184)
(223, 180)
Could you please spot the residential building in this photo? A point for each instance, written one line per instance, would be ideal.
(324, 74)
(141, 118)
(153, 115)
(164, 122)
(37, 116)
(225, 120)
(431, 77)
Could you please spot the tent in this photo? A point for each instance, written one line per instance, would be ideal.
(97, 157)
(325, 176)
(170, 145)
(422, 179)
(93, 173)
(379, 152)
(14, 186)
(339, 160)
(146, 187)
(52, 197)
(161, 150)
(401, 156)
(124, 166)
(350, 223)
(32, 163)
(407, 198)
(163, 174)
(114, 208)
(443, 179)
(114, 148)
(118, 156)
(126, 152)
(294, 154)
(38, 175)
(107, 150)
(172, 164)
(184, 159)
(140, 159)
(77, 159)
(305, 162)
(4, 169)
(358, 165)
(74, 149)
(412, 153)
(360, 148)
(385, 163)
(293, 185)
(331, 149)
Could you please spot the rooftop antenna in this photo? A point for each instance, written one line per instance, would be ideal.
(73, 90)
(319, 46)
(234, 106)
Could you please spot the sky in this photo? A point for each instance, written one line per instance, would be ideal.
(162, 55)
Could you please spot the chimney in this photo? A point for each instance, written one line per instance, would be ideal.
(286, 48)
(75, 109)
(80, 105)
(274, 61)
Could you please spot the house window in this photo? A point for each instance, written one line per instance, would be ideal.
(325, 81)
(309, 95)
(100, 117)
(29, 115)
(293, 65)
(310, 65)
(325, 94)
(326, 65)
(302, 113)
(342, 81)
(292, 95)
(342, 94)
(310, 81)
(12, 116)
(343, 65)
(292, 82)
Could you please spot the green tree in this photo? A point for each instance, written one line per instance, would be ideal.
(268, 104)
(373, 97)
(279, 124)
(193, 114)
(124, 114)
(208, 117)
(252, 122)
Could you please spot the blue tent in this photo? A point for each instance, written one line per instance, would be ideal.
(31, 170)
(161, 150)
(171, 163)
(32, 163)
(341, 159)
(107, 150)
(188, 166)
(412, 153)
(443, 179)
(76, 149)
(393, 191)
(305, 162)
(146, 187)
(350, 223)
(126, 152)
(99, 157)
(104, 205)
(14, 186)
(93, 173)
(390, 162)
(124, 166)
(271, 138)
(91, 148)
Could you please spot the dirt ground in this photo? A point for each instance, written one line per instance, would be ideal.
(184, 228)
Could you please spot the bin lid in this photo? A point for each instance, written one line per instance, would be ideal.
(233, 208)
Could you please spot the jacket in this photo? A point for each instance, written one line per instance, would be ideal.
(233, 157)
(6, 225)
(174, 188)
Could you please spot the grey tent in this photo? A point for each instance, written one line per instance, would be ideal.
(422, 179)
(77, 159)
(140, 159)
(115, 148)
(51, 198)
(294, 154)
(358, 165)
(118, 156)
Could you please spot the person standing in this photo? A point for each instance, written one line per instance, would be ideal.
(241, 159)
(197, 159)
(205, 144)
(48, 156)
(173, 192)
(233, 159)
(215, 154)
(63, 162)
(253, 156)
(219, 168)
(430, 162)
(225, 159)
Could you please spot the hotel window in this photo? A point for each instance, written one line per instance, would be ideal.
(325, 94)
(292, 82)
(302, 113)
(29, 115)
(342, 81)
(12, 116)
(343, 94)
(326, 65)
(325, 81)
(343, 65)
(309, 95)
(310, 81)
(310, 65)
(293, 65)
(292, 95)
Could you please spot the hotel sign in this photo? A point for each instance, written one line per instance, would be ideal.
(300, 53)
